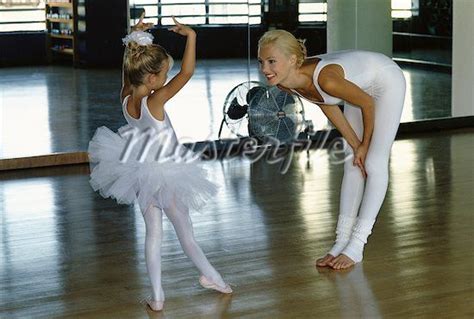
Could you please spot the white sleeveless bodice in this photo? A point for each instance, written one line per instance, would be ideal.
(147, 123)
(360, 67)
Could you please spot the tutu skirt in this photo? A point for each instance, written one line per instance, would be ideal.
(148, 182)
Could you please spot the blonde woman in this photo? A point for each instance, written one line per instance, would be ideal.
(372, 88)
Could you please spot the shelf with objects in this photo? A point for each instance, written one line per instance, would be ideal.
(61, 25)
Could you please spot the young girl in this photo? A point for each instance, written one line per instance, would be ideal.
(144, 163)
(373, 89)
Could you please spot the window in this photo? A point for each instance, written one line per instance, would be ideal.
(311, 11)
(404, 9)
(201, 12)
(235, 12)
(22, 15)
(190, 13)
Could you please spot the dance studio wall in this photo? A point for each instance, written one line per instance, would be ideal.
(463, 62)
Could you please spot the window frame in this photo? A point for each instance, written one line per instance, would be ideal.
(206, 15)
(20, 8)
(314, 22)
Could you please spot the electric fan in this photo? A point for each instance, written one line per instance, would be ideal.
(267, 113)
(235, 108)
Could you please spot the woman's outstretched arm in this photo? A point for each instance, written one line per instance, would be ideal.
(332, 81)
(337, 118)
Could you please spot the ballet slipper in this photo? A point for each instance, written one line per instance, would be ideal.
(155, 305)
(206, 283)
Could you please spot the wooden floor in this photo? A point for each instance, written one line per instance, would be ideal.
(66, 252)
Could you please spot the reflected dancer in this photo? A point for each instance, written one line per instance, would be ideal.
(355, 295)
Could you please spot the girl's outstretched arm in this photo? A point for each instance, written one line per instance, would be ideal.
(187, 66)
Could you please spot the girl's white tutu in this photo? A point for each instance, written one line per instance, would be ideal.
(158, 182)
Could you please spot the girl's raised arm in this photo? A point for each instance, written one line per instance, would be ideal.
(187, 66)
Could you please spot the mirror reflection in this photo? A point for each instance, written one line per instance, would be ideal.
(60, 76)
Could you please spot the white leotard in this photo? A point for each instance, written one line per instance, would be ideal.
(146, 121)
(361, 199)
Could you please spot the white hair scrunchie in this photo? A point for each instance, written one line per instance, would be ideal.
(140, 37)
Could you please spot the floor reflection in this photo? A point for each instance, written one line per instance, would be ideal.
(19, 224)
(355, 295)
(25, 118)
(57, 109)
(428, 95)
(66, 252)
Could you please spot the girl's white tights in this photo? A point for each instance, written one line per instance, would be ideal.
(361, 199)
(184, 230)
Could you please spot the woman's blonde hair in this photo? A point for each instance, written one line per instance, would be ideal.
(286, 42)
(141, 60)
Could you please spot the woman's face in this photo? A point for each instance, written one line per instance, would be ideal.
(274, 64)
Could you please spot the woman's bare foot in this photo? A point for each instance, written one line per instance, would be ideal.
(324, 261)
(341, 262)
